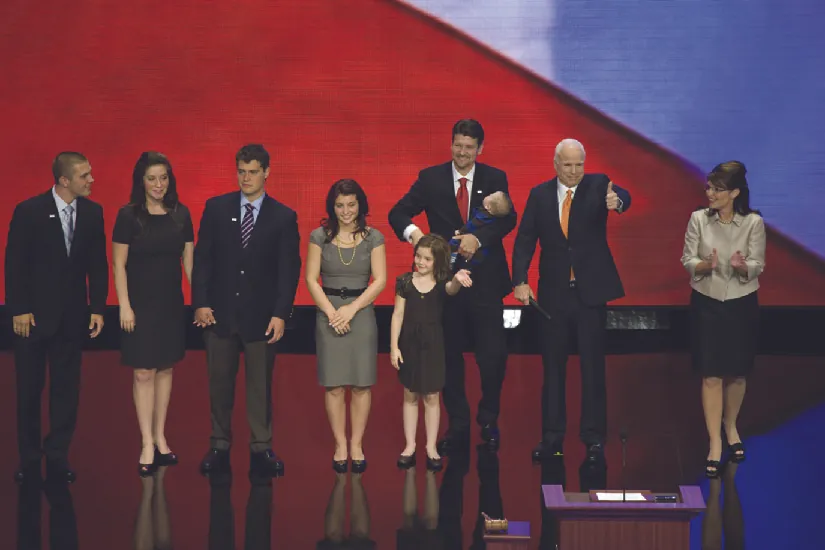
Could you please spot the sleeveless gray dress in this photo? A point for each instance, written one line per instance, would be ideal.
(347, 360)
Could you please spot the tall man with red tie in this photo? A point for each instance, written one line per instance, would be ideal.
(447, 193)
(577, 277)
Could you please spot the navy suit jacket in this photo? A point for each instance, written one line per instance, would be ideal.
(246, 286)
(585, 248)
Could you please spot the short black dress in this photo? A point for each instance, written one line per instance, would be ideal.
(421, 342)
(153, 273)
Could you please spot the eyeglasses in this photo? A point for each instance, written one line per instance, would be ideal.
(715, 190)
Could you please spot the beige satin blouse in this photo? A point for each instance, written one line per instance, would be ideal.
(745, 234)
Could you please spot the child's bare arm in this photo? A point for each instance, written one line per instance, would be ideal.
(395, 330)
(462, 278)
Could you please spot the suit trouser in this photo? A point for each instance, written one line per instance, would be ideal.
(588, 324)
(63, 351)
(466, 316)
(223, 358)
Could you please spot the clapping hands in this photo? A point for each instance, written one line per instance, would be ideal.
(737, 262)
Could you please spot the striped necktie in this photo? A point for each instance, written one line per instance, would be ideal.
(68, 227)
(246, 224)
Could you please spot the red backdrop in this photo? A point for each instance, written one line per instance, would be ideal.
(367, 89)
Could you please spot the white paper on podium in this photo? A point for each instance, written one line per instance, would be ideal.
(613, 497)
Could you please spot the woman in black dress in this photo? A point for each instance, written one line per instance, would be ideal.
(152, 234)
(724, 254)
(417, 340)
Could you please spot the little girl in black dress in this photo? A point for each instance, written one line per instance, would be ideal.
(417, 340)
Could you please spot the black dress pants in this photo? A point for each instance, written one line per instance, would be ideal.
(468, 318)
(63, 351)
(572, 317)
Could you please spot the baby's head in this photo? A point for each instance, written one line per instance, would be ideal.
(497, 204)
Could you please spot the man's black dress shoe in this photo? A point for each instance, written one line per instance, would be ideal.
(216, 461)
(168, 459)
(59, 472)
(453, 442)
(28, 472)
(595, 453)
(491, 436)
(265, 464)
(547, 451)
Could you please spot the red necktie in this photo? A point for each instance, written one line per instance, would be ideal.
(461, 198)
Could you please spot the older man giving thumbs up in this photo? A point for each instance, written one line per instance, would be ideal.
(577, 277)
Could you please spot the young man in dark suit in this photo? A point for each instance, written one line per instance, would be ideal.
(577, 277)
(56, 268)
(244, 280)
(447, 193)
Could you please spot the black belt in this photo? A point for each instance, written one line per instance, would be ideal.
(343, 292)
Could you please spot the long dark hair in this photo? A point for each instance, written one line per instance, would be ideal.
(730, 176)
(441, 255)
(345, 187)
(138, 199)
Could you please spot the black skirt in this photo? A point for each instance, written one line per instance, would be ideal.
(724, 335)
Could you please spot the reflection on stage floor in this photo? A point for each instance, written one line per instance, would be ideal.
(765, 502)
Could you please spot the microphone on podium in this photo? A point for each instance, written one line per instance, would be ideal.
(623, 438)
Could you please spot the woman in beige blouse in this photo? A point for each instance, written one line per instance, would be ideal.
(724, 253)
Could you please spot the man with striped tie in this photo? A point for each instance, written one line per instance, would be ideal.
(57, 279)
(244, 280)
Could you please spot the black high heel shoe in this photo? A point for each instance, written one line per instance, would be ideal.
(168, 459)
(406, 462)
(146, 470)
(340, 466)
(737, 452)
(434, 464)
(359, 466)
(712, 468)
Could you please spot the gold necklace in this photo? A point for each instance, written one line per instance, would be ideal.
(730, 221)
(341, 256)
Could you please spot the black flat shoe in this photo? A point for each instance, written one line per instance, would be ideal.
(737, 452)
(712, 468)
(146, 470)
(434, 464)
(340, 466)
(168, 459)
(406, 462)
(359, 466)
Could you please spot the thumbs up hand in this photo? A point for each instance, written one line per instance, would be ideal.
(612, 199)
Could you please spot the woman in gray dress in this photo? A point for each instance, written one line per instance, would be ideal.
(345, 253)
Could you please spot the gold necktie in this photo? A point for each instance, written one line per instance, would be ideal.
(565, 220)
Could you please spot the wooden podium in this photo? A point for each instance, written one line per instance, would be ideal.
(582, 524)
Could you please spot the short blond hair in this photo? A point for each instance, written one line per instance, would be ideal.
(499, 204)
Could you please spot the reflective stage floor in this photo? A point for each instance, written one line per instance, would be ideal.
(767, 502)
